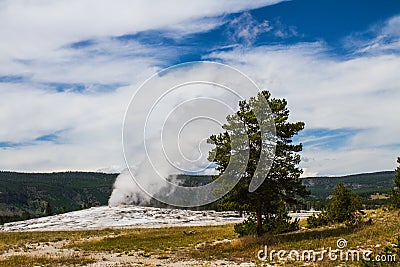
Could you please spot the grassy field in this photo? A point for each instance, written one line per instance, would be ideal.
(379, 237)
(161, 240)
(205, 244)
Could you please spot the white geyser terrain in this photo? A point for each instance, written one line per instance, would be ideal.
(123, 216)
(129, 216)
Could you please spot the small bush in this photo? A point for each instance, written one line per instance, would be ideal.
(278, 226)
(319, 220)
(274, 225)
(247, 227)
(355, 219)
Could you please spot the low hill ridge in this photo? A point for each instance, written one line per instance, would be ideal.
(67, 191)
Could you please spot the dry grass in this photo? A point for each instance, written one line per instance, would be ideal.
(27, 261)
(159, 240)
(208, 243)
(9, 240)
(376, 237)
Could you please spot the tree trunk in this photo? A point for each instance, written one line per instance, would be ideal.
(259, 223)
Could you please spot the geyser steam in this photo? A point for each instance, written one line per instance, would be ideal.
(166, 128)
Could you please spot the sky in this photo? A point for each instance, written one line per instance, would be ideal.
(68, 70)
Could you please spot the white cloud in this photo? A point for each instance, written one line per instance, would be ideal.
(34, 28)
(35, 35)
(385, 38)
(244, 29)
(90, 127)
(36, 39)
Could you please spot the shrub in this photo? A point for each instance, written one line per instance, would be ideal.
(278, 226)
(319, 220)
(274, 225)
(247, 227)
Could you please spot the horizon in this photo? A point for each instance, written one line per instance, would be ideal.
(118, 173)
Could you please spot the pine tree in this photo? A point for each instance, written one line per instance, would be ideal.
(344, 204)
(48, 210)
(395, 194)
(282, 184)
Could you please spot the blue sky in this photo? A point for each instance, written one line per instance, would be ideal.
(68, 71)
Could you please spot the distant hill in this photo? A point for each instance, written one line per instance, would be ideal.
(66, 191)
(365, 183)
(322, 187)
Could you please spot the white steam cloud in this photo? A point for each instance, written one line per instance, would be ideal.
(167, 126)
